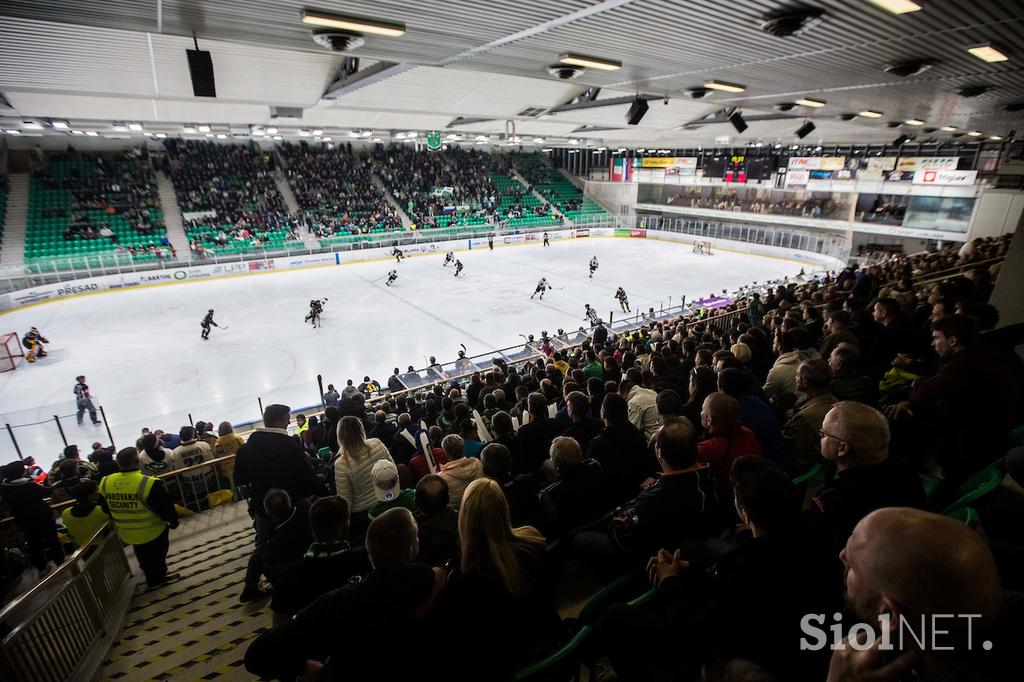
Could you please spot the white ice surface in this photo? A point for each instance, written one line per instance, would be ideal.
(145, 363)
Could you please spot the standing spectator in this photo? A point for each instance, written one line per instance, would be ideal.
(403, 443)
(577, 495)
(291, 535)
(535, 437)
(143, 514)
(802, 430)
(154, 458)
(395, 383)
(641, 403)
(726, 440)
(69, 468)
(438, 522)
(621, 451)
(352, 479)
(460, 470)
(332, 398)
(85, 516)
(228, 442)
(83, 400)
(200, 482)
(271, 459)
(329, 564)
(32, 515)
(368, 617)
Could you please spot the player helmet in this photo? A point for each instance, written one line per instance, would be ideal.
(210, 310)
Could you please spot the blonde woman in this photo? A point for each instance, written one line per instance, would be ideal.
(501, 587)
(356, 457)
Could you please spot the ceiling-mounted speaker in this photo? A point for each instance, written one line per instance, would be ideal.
(914, 67)
(791, 21)
(806, 129)
(973, 90)
(900, 140)
(736, 119)
(636, 111)
(200, 68)
(785, 106)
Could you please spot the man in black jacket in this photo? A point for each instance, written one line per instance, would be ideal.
(536, 436)
(438, 523)
(620, 449)
(352, 631)
(748, 606)
(583, 428)
(271, 459)
(577, 495)
(32, 514)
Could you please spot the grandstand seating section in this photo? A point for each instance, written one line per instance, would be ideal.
(512, 195)
(76, 191)
(569, 199)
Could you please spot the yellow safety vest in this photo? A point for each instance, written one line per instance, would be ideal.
(83, 527)
(126, 495)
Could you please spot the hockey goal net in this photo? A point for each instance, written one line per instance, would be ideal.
(10, 350)
(702, 247)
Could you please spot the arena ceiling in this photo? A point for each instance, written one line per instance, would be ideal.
(471, 67)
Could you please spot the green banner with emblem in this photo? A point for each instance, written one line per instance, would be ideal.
(433, 140)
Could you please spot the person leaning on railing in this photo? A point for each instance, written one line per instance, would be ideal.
(143, 515)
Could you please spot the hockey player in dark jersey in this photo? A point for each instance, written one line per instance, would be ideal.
(547, 239)
(34, 341)
(207, 323)
(392, 276)
(620, 294)
(316, 308)
(490, 242)
(397, 253)
(458, 267)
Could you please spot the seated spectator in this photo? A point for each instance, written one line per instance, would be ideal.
(535, 436)
(885, 558)
(802, 430)
(837, 329)
(85, 516)
(641, 403)
(438, 522)
(501, 429)
(471, 444)
(577, 495)
(328, 564)
(782, 375)
(756, 415)
(682, 506)
(290, 537)
(388, 489)
(726, 440)
(383, 430)
(748, 606)
(390, 605)
(621, 451)
(352, 479)
(855, 439)
(32, 515)
(200, 482)
(460, 470)
(703, 382)
(583, 428)
(80, 470)
(848, 381)
(520, 491)
(897, 335)
(403, 443)
(419, 465)
(502, 567)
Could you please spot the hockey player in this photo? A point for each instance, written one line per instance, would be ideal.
(542, 286)
(591, 315)
(458, 267)
(490, 242)
(547, 239)
(206, 323)
(620, 294)
(34, 341)
(448, 258)
(397, 253)
(316, 307)
(593, 266)
(392, 276)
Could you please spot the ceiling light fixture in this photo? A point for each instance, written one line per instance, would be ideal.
(204, 128)
(870, 114)
(573, 140)
(327, 138)
(358, 24)
(222, 136)
(538, 140)
(92, 133)
(725, 86)
(816, 103)
(161, 136)
(988, 53)
(592, 62)
(119, 127)
(272, 131)
(60, 125)
(367, 133)
(303, 133)
(78, 132)
(897, 6)
(353, 133)
(975, 133)
(14, 132)
(995, 137)
(914, 122)
(277, 138)
(135, 127)
(914, 67)
(32, 125)
(948, 129)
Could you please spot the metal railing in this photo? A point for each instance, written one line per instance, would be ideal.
(61, 628)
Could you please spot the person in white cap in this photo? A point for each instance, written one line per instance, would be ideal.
(387, 486)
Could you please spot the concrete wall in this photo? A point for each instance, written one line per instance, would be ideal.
(998, 212)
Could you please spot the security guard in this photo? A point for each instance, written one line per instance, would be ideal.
(143, 513)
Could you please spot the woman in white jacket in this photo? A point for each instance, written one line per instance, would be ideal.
(356, 457)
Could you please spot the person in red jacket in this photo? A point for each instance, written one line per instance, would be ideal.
(726, 440)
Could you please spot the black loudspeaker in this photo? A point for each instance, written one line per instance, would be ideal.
(636, 111)
(736, 119)
(200, 67)
(805, 130)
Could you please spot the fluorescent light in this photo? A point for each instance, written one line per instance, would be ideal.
(975, 133)
(778, 146)
(546, 149)
(573, 140)
(592, 62)
(356, 24)
(641, 151)
(148, 134)
(190, 130)
(896, 6)
(32, 125)
(161, 136)
(376, 139)
(204, 128)
(816, 103)
(411, 133)
(208, 134)
(77, 132)
(914, 122)
(481, 138)
(481, 141)
(135, 126)
(318, 131)
(870, 114)
(948, 129)
(14, 132)
(353, 133)
(538, 140)
(725, 86)
(271, 131)
(277, 138)
(221, 136)
(92, 133)
(303, 133)
(120, 127)
(995, 137)
(988, 53)
(60, 125)
(326, 138)
(401, 136)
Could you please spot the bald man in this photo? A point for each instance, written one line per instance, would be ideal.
(362, 617)
(913, 565)
(855, 438)
(726, 440)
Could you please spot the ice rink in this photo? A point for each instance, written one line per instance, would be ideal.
(146, 364)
